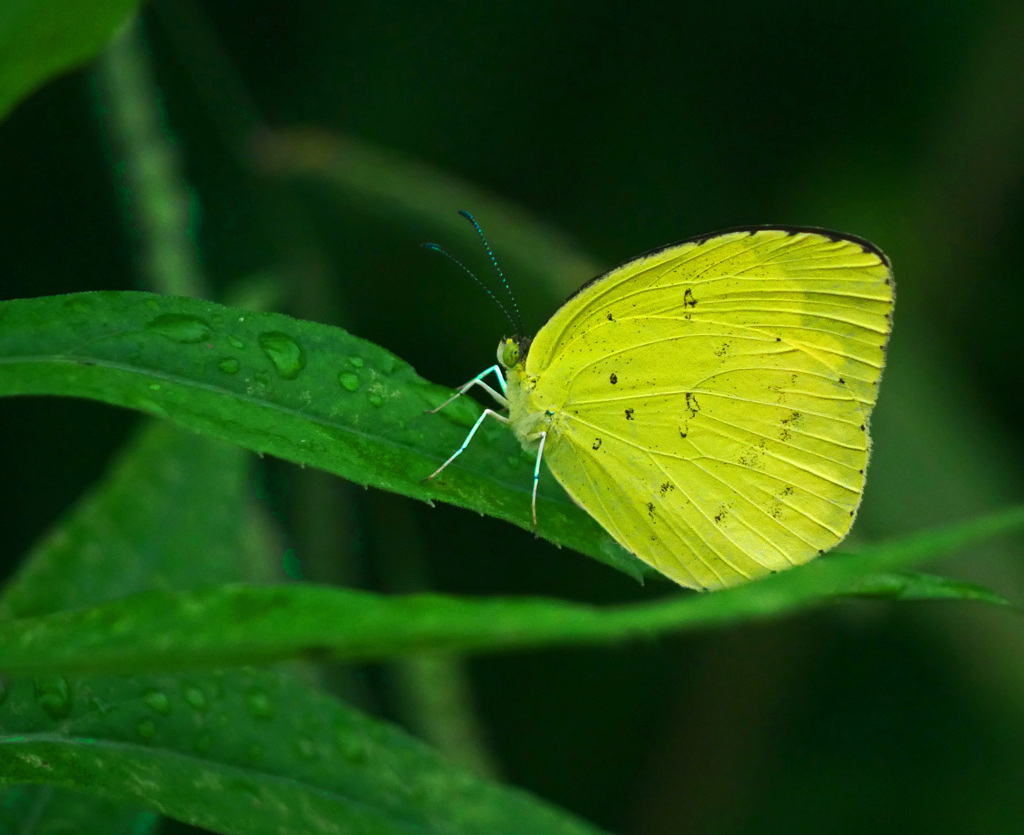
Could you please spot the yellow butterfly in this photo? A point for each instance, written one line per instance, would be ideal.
(708, 402)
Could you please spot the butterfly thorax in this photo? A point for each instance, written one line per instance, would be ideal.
(527, 416)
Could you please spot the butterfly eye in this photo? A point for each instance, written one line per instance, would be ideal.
(508, 353)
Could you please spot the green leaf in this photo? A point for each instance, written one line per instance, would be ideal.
(252, 753)
(916, 586)
(168, 516)
(305, 392)
(40, 39)
(237, 624)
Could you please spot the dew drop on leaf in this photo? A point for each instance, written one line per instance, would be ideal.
(235, 342)
(195, 697)
(349, 380)
(180, 327)
(53, 695)
(229, 365)
(259, 704)
(356, 362)
(158, 701)
(352, 750)
(146, 728)
(284, 352)
(376, 400)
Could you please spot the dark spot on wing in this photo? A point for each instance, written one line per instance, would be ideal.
(597, 443)
(682, 432)
(629, 414)
(610, 319)
(668, 485)
(650, 509)
(722, 349)
(689, 302)
(692, 406)
(613, 379)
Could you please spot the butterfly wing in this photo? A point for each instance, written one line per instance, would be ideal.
(709, 401)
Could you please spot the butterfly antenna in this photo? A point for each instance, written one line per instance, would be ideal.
(472, 275)
(518, 323)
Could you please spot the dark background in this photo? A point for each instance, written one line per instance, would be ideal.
(624, 126)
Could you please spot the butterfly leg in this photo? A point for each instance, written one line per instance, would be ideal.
(536, 478)
(469, 438)
(478, 381)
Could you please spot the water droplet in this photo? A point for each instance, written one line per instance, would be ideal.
(352, 750)
(195, 697)
(78, 305)
(376, 400)
(229, 365)
(146, 728)
(158, 701)
(180, 327)
(349, 380)
(155, 387)
(259, 704)
(357, 362)
(286, 354)
(388, 364)
(306, 748)
(202, 743)
(53, 695)
(236, 342)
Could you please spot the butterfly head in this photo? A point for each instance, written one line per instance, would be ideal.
(512, 350)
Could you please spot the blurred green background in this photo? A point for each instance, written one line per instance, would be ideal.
(622, 127)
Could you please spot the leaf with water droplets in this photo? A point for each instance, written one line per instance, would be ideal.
(305, 392)
(240, 766)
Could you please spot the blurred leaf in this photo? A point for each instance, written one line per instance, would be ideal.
(251, 753)
(40, 39)
(916, 586)
(398, 185)
(233, 625)
(305, 392)
(167, 516)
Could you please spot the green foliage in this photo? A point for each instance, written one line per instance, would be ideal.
(43, 38)
(129, 633)
(301, 391)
